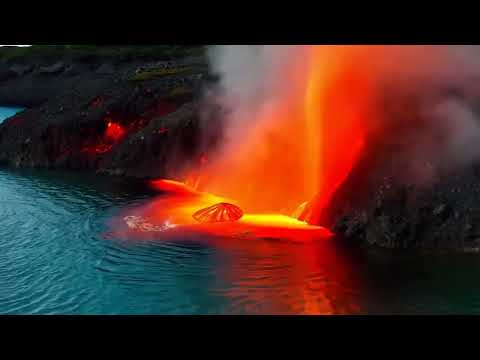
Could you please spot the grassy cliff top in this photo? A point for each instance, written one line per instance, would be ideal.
(79, 51)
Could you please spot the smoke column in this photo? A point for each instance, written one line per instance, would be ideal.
(300, 116)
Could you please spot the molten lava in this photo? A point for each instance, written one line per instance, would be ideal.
(115, 132)
(298, 149)
(282, 169)
(221, 212)
(170, 217)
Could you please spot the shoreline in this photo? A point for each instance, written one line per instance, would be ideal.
(154, 104)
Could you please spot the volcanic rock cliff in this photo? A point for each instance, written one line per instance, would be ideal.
(118, 115)
(394, 198)
(139, 117)
(382, 212)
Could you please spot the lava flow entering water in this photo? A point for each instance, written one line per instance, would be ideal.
(170, 217)
(298, 151)
(301, 147)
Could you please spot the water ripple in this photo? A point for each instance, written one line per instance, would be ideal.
(56, 259)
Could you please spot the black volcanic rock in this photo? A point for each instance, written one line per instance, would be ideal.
(445, 217)
(375, 208)
(52, 69)
(71, 102)
(105, 69)
(6, 72)
(21, 70)
(167, 145)
(406, 191)
(71, 105)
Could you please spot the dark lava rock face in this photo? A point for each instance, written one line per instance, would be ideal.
(167, 145)
(143, 119)
(445, 217)
(407, 191)
(375, 208)
(73, 105)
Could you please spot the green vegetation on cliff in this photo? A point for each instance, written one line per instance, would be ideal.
(161, 72)
(122, 51)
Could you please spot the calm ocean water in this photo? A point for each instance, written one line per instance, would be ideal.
(57, 256)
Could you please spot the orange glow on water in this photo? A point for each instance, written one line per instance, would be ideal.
(282, 165)
(308, 271)
(304, 277)
(278, 278)
(171, 216)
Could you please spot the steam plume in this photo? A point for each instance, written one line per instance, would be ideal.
(424, 96)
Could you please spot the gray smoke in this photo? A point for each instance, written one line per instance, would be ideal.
(255, 78)
(437, 82)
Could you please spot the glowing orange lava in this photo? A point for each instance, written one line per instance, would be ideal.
(298, 268)
(220, 212)
(281, 165)
(115, 132)
(300, 148)
(170, 217)
(282, 169)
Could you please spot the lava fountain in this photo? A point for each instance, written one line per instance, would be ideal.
(281, 169)
(293, 140)
(298, 146)
(294, 137)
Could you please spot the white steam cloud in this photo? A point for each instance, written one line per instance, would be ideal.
(437, 82)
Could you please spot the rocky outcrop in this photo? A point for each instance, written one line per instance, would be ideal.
(105, 69)
(32, 84)
(71, 117)
(443, 217)
(20, 70)
(167, 145)
(141, 119)
(56, 68)
(377, 207)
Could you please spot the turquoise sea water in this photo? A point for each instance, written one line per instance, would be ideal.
(58, 256)
(6, 112)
